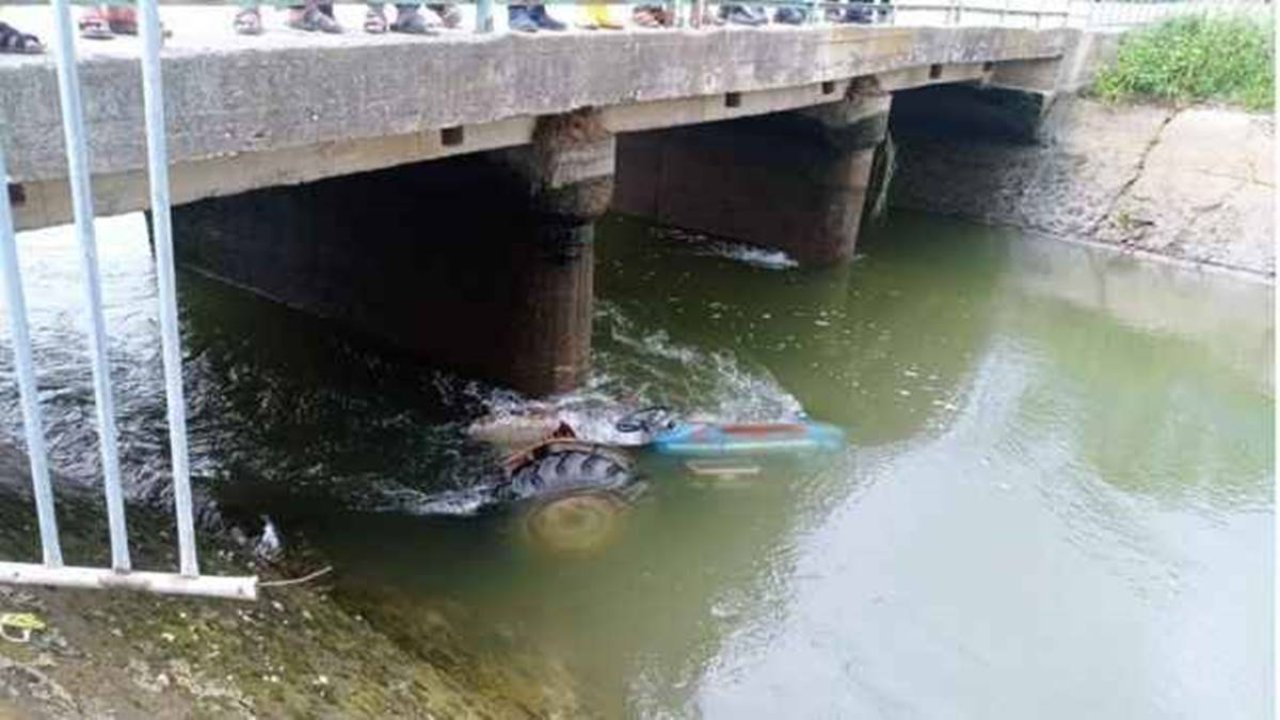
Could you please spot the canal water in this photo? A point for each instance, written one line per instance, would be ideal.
(1055, 501)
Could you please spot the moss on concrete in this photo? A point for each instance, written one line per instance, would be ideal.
(301, 651)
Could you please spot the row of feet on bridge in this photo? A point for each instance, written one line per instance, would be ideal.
(531, 18)
(106, 22)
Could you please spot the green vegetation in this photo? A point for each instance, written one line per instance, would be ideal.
(1197, 58)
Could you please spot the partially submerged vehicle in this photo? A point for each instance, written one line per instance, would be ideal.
(668, 435)
(569, 494)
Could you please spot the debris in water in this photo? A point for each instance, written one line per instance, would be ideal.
(268, 546)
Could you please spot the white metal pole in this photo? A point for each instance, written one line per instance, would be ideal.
(31, 421)
(162, 234)
(82, 204)
(235, 588)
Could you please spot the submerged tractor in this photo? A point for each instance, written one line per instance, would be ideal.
(569, 494)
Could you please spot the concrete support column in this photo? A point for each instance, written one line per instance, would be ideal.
(481, 264)
(795, 181)
(567, 174)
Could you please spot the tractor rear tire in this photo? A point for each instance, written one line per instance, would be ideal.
(573, 496)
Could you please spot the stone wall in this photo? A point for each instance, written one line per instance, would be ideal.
(1196, 184)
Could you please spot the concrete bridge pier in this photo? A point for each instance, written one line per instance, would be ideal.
(480, 263)
(795, 181)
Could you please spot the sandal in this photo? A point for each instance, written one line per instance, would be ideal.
(412, 22)
(94, 25)
(310, 19)
(646, 18)
(450, 15)
(15, 41)
(248, 22)
(375, 20)
(123, 20)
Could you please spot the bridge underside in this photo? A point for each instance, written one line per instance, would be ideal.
(483, 263)
(452, 216)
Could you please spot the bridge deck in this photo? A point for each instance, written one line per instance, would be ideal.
(292, 107)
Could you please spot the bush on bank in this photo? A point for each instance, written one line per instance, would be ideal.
(1196, 58)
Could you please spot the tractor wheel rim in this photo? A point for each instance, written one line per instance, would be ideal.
(575, 523)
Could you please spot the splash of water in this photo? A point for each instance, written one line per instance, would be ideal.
(746, 254)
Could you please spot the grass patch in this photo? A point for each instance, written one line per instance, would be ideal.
(1195, 58)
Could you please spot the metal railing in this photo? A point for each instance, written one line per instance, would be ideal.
(52, 571)
(1120, 15)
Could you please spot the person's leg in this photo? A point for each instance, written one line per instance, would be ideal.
(312, 17)
(790, 15)
(738, 15)
(248, 19)
(94, 24)
(115, 17)
(520, 19)
(375, 19)
(449, 14)
(411, 21)
(123, 19)
(104, 21)
(544, 21)
(650, 16)
(857, 13)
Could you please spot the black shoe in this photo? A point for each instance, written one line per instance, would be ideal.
(545, 21)
(519, 19)
(859, 14)
(789, 16)
(741, 15)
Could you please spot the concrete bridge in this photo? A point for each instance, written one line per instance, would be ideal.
(439, 193)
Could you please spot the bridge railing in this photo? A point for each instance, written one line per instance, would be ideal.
(1123, 14)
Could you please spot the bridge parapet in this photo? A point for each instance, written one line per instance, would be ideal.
(252, 117)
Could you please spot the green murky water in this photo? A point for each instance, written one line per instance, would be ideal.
(1055, 503)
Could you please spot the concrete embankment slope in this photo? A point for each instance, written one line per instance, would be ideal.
(304, 651)
(1195, 184)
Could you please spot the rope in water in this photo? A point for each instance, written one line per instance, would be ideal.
(298, 580)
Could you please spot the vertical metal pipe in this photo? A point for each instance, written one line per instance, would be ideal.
(82, 204)
(162, 235)
(11, 277)
(484, 16)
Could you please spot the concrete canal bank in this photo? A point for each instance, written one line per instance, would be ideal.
(305, 650)
(1194, 184)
